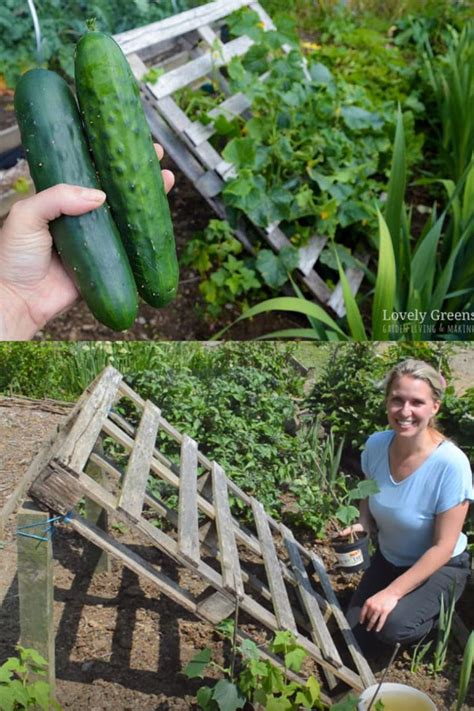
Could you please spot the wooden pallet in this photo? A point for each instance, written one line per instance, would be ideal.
(188, 47)
(266, 573)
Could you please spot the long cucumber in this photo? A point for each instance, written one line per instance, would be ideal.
(127, 164)
(57, 152)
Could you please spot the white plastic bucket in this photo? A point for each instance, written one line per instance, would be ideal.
(396, 697)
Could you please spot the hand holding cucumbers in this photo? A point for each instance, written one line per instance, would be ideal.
(34, 286)
(128, 243)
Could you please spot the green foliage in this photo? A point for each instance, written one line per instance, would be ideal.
(227, 276)
(18, 687)
(347, 513)
(62, 24)
(439, 646)
(259, 681)
(236, 401)
(465, 672)
(312, 152)
(350, 399)
(32, 369)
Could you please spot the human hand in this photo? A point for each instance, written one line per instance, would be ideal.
(34, 286)
(350, 530)
(377, 608)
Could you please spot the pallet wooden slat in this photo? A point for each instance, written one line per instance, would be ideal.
(233, 106)
(321, 634)
(138, 467)
(360, 661)
(171, 27)
(198, 68)
(188, 526)
(60, 487)
(229, 556)
(76, 449)
(281, 601)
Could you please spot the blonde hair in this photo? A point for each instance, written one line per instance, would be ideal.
(421, 371)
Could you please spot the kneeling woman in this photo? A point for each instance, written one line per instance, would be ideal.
(425, 485)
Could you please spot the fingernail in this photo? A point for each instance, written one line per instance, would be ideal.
(93, 195)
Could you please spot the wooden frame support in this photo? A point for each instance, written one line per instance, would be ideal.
(258, 566)
(96, 514)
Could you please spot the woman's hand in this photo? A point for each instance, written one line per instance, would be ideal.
(34, 286)
(377, 608)
(350, 530)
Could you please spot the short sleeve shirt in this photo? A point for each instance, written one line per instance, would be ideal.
(405, 511)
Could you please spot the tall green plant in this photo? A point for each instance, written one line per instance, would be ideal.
(452, 80)
(466, 672)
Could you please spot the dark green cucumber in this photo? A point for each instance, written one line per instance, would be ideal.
(127, 164)
(57, 152)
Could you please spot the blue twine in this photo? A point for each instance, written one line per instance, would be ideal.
(48, 531)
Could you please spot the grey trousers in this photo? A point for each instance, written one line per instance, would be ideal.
(416, 613)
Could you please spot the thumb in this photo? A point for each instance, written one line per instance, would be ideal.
(33, 214)
(59, 200)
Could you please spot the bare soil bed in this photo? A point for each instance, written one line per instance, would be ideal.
(119, 643)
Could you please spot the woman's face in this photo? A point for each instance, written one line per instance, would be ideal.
(410, 406)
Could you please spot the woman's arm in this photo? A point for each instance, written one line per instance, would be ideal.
(448, 526)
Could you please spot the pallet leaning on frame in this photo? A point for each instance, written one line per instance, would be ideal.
(269, 576)
(190, 49)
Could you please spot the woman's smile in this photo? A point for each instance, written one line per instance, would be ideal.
(410, 405)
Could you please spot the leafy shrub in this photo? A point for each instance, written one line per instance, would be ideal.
(237, 402)
(32, 369)
(350, 400)
(62, 24)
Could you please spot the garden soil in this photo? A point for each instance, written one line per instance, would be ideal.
(119, 643)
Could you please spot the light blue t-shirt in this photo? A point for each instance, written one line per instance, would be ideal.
(405, 511)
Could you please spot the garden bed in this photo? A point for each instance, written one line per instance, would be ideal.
(117, 641)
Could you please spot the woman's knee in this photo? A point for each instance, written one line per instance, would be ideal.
(397, 629)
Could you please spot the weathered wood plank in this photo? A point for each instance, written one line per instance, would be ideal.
(57, 487)
(157, 32)
(281, 602)
(46, 452)
(360, 661)
(216, 607)
(76, 449)
(188, 526)
(138, 467)
(320, 632)
(209, 184)
(169, 547)
(138, 67)
(94, 513)
(354, 276)
(308, 254)
(35, 586)
(228, 553)
(233, 106)
(197, 68)
(176, 117)
(172, 145)
(130, 430)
